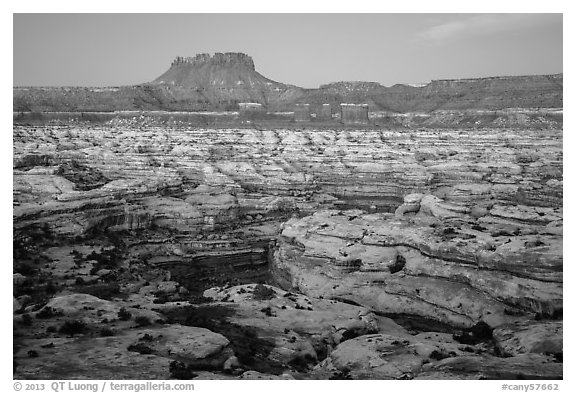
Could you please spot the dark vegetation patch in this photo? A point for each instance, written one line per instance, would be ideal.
(353, 333)
(339, 375)
(83, 177)
(73, 327)
(302, 363)
(481, 332)
(146, 337)
(398, 264)
(558, 356)
(162, 298)
(107, 332)
(262, 292)
(450, 233)
(268, 312)
(554, 315)
(142, 321)
(354, 264)
(26, 320)
(105, 259)
(28, 261)
(107, 287)
(179, 370)
(199, 299)
(322, 346)
(40, 285)
(438, 355)
(141, 348)
(124, 315)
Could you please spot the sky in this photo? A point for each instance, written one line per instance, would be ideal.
(306, 50)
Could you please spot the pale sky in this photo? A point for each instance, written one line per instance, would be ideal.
(306, 50)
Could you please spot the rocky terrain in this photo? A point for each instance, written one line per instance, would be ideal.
(221, 81)
(146, 251)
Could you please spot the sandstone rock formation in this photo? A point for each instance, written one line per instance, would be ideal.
(124, 345)
(529, 366)
(166, 230)
(301, 329)
(456, 270)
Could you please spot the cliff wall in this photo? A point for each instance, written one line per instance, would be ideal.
(221, 81)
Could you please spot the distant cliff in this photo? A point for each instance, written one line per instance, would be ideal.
(222, 81)
(538, 91)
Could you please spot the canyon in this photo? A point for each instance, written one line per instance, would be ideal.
(437, 230)
(425, 244)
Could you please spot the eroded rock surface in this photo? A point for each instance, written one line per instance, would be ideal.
(449, 267)
(527, 366)
(151, 246)
(531, 337)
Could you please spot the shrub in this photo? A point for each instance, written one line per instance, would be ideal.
(398, 264)
(262, 292)
(51, 288)
(438, 355)
(142, 349)
(161, 298)
(146, 337)
(124, 315)
(73, 327)
(142, 321)
(481, 332)
(107, 332)
(26, 320)
(340, 375)
(179, 370)
(268, 312)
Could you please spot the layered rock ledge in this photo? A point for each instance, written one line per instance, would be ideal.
(280, 253)
(432, 259)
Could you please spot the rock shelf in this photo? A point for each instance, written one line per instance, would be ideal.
(255, 253)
